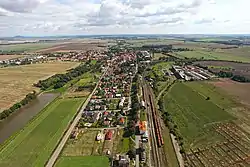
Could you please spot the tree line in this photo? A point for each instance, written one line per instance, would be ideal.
(28, 98)
(59, 80)
(135, 106)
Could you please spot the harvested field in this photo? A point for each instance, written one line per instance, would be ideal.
(18, 81)
(67, 47)
(242, 69)
(7, 57)
(33, 145)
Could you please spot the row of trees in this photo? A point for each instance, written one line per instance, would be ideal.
(133, 113)
(168, 120)
(59, 80)
(227, 74)
(28, 98)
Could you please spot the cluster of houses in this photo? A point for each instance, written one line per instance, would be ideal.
(67, 56)
(110, 102)
(80, 55)
(23, 60)
(189, 72)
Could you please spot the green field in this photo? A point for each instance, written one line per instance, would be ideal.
(195, 113)
(33, 145)
(169, 149)
(158, 69)
(88, 79)
(213, 55)
(84, 161)
(26, 47)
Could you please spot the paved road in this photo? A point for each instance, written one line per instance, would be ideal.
(137, 159)
(64, 139)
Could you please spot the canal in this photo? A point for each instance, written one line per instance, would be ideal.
(20, 118)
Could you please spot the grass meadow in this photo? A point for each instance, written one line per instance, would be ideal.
(195, 113)
(83, 161)
(34, 144)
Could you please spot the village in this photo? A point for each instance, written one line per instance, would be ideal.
(105, 116)
(74, 56)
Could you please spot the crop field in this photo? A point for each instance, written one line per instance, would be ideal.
(242, 69)
(200, 45)
(29, 47)
(7, 57)
(33, 145)
(212, 55)
(194, 115)
(83, 161)
(141, 42)
(233, 152)
(80, 46)
(18, 81)
(240, 93)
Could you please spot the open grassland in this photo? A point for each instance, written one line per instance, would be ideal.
(18, 81)
(159, 55)
(33, 145)
(236, 54)
(194, 113)
(85, 161)
(7, 57)
(212, 55)
(28, 47)
(169, 148)
(159, 69)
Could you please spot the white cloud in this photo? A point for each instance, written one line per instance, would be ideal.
(62, 17)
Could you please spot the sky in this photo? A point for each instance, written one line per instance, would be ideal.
(93, 17)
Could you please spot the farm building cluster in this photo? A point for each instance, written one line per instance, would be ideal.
(189, 72)
(111, 101)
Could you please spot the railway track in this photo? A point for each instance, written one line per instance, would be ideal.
(156, 140)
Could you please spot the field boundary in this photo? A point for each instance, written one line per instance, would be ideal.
(12, 137)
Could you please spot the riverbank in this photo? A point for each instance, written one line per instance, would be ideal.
(20, 118)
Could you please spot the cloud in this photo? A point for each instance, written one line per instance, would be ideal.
(21, 6)
(54, 17)
(205, 21)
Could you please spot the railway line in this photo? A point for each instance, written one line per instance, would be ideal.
(156, 139)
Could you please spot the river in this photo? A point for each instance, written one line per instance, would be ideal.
(20, 118)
